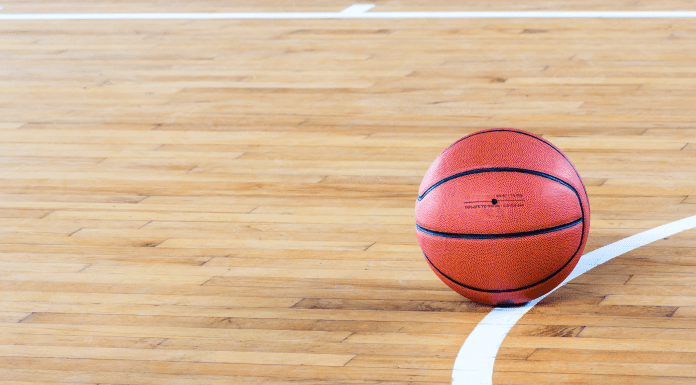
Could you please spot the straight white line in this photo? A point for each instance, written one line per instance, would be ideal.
(529, 14)
(356, 11)
(474, 363)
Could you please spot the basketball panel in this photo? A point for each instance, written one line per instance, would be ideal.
(498, 203)
(498, 148)
(509, 298)
(503, 264)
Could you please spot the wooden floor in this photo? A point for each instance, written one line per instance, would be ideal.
(231, 202)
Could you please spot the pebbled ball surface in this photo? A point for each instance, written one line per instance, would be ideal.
(502, 216)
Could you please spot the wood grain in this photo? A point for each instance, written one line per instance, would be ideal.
(231, 201)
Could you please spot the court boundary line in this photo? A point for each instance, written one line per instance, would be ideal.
(476, 358)
(355, 11)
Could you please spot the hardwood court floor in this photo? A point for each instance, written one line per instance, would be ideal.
(231, 202)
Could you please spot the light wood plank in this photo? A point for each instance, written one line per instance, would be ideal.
(232, 201)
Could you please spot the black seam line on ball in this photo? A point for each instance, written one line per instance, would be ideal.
(499, 236)
(495, 169)
(525, 134)
(582, 210)
(582, 238)
(507, 290)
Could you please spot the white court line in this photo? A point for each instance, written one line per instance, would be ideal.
(356, 11)
(474, 363)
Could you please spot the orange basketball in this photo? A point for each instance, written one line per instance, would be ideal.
(502, 216)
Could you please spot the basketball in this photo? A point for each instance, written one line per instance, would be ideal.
(502, 216)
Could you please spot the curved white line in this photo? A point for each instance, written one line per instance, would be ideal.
(474, 363)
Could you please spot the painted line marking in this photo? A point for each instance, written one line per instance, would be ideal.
(356, 11)
(474, 363)
(475, 360)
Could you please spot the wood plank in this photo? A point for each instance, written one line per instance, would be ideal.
(117, 372)
(572, 355)
(203, 216)
(685, 312)
(213, 237)
(176, 355)
(156, 300)
(10, 126)
(79, 336)
(599, 368)
(600, 344)
(6, 198)
(632, 333)
(20, 213)
(101, 278)
(649, 300)
(528, 378)
(200, 327)
(179, 204)
(114, 206)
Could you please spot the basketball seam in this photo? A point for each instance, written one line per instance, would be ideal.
(545, 142)
(496, 169)
(506, 290)
(498, 236)
(582, 235)
(525, 134)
